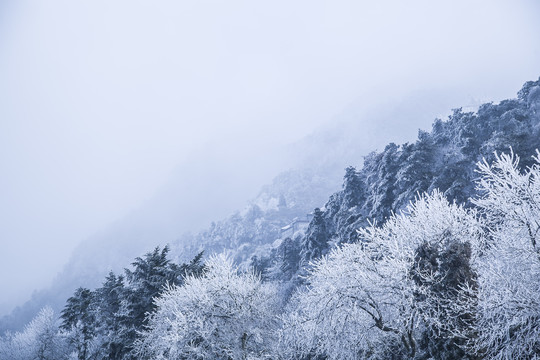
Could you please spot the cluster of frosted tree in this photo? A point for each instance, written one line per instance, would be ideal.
(222, 315)
(509, 288)
(438, 281)
(378, 297)
(39, 340)
(103, 323)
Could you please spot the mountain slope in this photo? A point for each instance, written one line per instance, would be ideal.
(443, 159)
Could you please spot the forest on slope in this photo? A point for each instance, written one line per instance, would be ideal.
(428, 251)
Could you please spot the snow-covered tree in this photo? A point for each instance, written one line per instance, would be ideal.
(223, 314)
(509, 285)
(288, 258)
(374, 296)
(40, 340)
(109, 316)
(353, 188)
(151, 274)
(315, 242)
(79, 322)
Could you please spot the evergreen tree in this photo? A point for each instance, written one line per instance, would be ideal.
(353, 188)
(288, 255)
(415, 174)
(450, 260)
(151, 275)
(78, 318)
(104, 324)
(380, 171)
(109, 315)
(315, 243)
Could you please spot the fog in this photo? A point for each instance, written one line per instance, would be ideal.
(101, 102)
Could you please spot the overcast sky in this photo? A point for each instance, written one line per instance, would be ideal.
(101, 100)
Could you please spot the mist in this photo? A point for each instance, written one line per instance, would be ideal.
(104, 104)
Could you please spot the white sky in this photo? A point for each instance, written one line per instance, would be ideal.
(101, 100)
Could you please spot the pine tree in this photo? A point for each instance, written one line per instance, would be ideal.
(151, 275)
(315, 243)
(109, 317)
(288, 255)
(380, 171)
(450, 260)
(353, 188)
(147, 280)
(78, 318)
